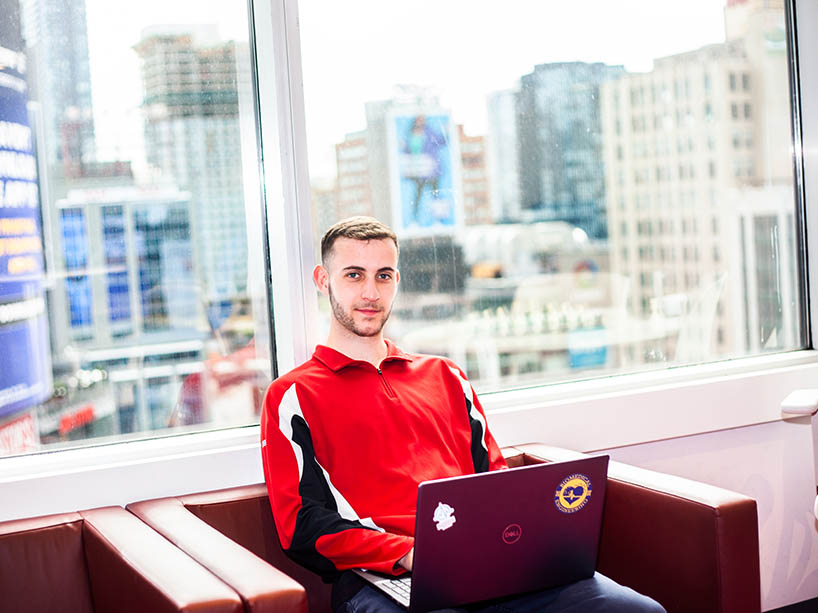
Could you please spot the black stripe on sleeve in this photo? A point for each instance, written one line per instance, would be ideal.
(318, 514)
(479, 454)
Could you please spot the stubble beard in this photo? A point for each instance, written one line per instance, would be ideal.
(347, 321)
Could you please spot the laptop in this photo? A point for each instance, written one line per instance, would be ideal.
(502, 533)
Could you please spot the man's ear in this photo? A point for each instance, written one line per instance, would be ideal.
(321, 279)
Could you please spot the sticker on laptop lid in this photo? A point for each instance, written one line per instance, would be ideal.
(572, 493)
(444, 516)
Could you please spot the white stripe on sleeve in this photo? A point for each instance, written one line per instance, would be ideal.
(473, 412)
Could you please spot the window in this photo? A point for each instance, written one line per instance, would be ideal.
(579, 126)
(521, 205)
(152, 322)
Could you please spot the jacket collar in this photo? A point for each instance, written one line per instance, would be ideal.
(335, 360)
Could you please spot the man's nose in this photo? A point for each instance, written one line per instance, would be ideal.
(369, 292)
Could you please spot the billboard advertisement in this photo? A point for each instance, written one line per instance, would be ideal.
(25, 358)
(424, 172)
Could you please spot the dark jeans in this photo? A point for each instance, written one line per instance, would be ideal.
(597, 594)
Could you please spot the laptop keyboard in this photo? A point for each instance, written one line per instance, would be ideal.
(398, 588)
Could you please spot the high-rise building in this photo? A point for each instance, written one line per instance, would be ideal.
(56, 39)
(129, 269)
(680, 142)
(502, 155)
(562, 177)
(389, 180)
(128, 304)
(764, 288)
(377, 150)
(369, 182)
(192, 135)
(476, 200)
(324, 203)
(354, 178)
(375, 175)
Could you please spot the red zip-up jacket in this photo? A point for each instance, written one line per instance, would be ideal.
(345, 445)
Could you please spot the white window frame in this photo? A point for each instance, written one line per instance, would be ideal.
(584, 415)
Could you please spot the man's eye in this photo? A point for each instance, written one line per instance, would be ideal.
(386, 276)
(353, 275)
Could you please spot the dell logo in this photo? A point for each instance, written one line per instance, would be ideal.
(512, 534)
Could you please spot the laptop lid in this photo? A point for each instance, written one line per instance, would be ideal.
(507, 532)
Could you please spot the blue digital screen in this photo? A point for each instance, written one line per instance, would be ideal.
(25, 355)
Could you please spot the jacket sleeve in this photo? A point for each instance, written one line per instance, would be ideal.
(317, 527)
(485, 452)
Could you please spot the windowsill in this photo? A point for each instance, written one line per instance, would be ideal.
(658, 379)
(644, 407)
(89, 477)
(583, 415)
(97, 457)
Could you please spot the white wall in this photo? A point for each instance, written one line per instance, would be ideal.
(772, 463)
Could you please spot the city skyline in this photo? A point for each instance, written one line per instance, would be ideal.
(459, 57)
(186, 117)
(127, 296)
(697, 175)
(114, 29)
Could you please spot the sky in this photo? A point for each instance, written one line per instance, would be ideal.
(357, 50)
(114, 27)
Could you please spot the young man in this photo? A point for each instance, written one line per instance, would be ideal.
(348, 436)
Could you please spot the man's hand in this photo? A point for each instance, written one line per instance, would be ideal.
(406, 561)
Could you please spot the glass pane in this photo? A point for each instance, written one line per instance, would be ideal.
(131, 302)
(580, 189)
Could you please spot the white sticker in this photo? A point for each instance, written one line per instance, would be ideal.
(444, 516)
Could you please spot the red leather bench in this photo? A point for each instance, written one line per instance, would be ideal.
(101, 561)
(691, 546)
(231, 532)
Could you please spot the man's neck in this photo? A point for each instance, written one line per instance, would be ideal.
(370, 349)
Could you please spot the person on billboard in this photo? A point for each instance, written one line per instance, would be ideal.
(348, 436)
(422, 163)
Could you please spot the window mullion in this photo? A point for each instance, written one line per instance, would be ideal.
(805, 93)
(286, 183)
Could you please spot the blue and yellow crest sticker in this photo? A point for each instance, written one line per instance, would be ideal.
(572, 493)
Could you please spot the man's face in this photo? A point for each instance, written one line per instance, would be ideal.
(361, 280)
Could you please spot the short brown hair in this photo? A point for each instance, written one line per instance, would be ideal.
(359, 228)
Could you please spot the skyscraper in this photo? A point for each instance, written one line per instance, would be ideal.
(476, 201)
(562, 177)
(129, 303)
(354, 177)
(503, 152)
(192, 136)
(56, 40)
(699, 187)
(128, 260)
